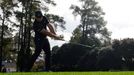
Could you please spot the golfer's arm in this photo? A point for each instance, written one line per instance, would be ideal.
(45, 32)
(51, 28)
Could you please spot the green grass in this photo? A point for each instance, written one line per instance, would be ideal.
(69, 73)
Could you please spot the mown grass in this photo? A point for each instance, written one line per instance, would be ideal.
(69, 73)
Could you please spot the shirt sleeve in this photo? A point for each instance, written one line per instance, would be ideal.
(37, 27)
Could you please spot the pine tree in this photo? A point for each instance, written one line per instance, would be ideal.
(92, 27)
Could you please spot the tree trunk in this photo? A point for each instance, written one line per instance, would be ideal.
(1, 46)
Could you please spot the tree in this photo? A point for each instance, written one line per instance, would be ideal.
(108, 59)
(68, 57)
(24, 34)
(91, 30)
(77, 33)
(55, 49)
(125, 49)
(6, 7)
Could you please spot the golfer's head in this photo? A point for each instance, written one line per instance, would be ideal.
(38, 15)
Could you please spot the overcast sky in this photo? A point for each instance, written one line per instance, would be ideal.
(119, 15)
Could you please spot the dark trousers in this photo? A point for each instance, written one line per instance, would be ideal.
(39, 45)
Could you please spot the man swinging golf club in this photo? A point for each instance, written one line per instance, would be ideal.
(41, 42)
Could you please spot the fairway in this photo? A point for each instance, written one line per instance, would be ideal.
(69, 73)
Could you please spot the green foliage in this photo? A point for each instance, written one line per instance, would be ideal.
(6, 7)
(76, 35)
(92, 30)
(67, 57)
(55, 49)
(108, 59)
(125, 49)
(77, 57)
